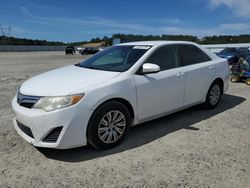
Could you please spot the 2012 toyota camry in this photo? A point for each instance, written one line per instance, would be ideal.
(99, 99)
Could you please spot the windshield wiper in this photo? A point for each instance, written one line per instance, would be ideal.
(88, 67)
(79, 65)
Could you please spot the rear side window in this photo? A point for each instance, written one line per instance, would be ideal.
(165, 57)
(190, 54)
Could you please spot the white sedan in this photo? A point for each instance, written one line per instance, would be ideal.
(99, 99)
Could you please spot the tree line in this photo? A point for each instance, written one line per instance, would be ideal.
(30, 42)
(220, 39)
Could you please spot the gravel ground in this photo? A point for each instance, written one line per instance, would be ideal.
(192, 148)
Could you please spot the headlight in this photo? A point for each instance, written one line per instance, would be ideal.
(53, 103)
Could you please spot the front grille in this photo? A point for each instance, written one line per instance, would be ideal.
(53, 135)
(26, 100)
(25, 129)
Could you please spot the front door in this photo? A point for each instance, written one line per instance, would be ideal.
(162, 92)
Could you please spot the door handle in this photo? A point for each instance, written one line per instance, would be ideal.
(180, 74)
(211, 67)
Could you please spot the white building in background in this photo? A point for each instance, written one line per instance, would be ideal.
(218, 47)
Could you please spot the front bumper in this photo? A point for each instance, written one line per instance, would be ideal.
(73, 120)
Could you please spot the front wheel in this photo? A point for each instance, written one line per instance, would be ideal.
(234, 79)
(213, 96)
(108, 125)
(248, 81)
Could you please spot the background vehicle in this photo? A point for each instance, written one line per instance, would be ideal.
(240, 71)
(99, 99)
(70, 50)
(88, 50)
(102, 48)
(234, 54)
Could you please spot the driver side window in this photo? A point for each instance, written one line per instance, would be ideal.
(165, 57)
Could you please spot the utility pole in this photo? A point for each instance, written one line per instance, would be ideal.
(5, 33)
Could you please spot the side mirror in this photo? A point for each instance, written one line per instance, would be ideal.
(148, 68)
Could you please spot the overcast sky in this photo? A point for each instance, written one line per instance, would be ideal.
(78, 20)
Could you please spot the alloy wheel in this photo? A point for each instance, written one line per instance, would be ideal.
(214, 95)
(112, 126)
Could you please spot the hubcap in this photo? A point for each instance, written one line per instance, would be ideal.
(214, 95)
(111, 126)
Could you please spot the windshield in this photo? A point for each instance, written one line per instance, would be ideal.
(244, 50)
(248, 59)
(229, 50)
(116, 58)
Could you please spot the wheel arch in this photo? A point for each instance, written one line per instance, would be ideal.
(123, 101)
(221, 82)
(126, 103)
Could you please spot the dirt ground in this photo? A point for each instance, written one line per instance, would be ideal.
(192, 148)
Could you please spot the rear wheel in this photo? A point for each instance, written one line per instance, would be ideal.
(214, 95)
(248, 81)
(108, 125)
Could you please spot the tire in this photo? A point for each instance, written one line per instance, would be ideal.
(108, 125)
(248, 81)
(213, 96)
(234, 79)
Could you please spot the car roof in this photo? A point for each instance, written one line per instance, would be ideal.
(155, 43)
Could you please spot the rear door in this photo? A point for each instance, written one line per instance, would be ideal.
(199, 70)
(162, 92)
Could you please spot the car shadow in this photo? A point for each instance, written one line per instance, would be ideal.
(147, 132)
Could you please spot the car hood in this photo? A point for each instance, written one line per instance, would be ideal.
(226, 55)
(64, 81)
